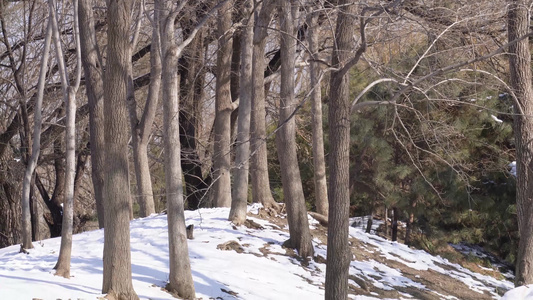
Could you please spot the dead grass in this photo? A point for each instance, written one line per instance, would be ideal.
(436, 285)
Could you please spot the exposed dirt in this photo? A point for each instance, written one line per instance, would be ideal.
(436, 285)
(252, 225)
(231, 245)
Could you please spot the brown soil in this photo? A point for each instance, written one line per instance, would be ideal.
(231, 245)
(437, 285)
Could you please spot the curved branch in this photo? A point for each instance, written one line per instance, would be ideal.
(366, 89)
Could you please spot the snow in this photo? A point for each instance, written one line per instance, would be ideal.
(477, 251)
(512, 165)
(421, 260)
(496, 119)
(251, 274)
(524, 292)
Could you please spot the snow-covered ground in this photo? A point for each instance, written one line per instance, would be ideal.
(263, 270)
(520, 293)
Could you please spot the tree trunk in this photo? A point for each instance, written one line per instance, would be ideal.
(94, 88)
(192, 82)
(235, 72)
(53, 214)
(63, 262)
(36, 148)
(69, 91)
(10, 195)
(409, 229)
(258, 161)
(386, 214)
(60, 171)
(240, 187)
(321, 190)
(339, 185)
(180, 277)
(140, 129)
(369, 223)
(520, 71)
(81, 167)
(300, 235)
(223, 109)
(117, 281)
(145, 196)
(410, 221)
(394, 225)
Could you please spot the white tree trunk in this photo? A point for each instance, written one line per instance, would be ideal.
(180, 277)
(63, 263)
(36, 148)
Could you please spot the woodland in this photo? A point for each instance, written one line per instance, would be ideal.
(417, 111)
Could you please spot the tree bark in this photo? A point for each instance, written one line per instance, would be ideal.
(409, 229)
(36, 148)
(339, 158)
(69, 91)
(94, 88)
(258, 161)
(410, 221)
(63, 262)
(520, 72)
(369, 223)
(140, 129)
(10, 206)
(300, 235)
(240, 187)
(180, 277)
(192, 82)
(235, 71)
(321, 190)
(117, 281)
(54, 212)
(60, 171)
(223, 109)
(386, 214)
(394, 226)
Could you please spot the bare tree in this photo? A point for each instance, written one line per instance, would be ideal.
(192, 84)
(300, 235)
(18, 67)
(69, 92)
(94, 87)
(180, 277)
(117, 256)
(141, 127)
(258, 162)
(240, 187)
(321, 191)
(36, 148)
(338, 252)
(17, 123)
(223, 109)
(520, 73)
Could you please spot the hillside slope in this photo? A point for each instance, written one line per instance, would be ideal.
(246, 262)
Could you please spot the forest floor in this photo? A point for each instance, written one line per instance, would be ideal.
(247, 262)
(384, 269)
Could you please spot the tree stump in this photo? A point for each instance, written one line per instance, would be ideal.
(189, 231)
